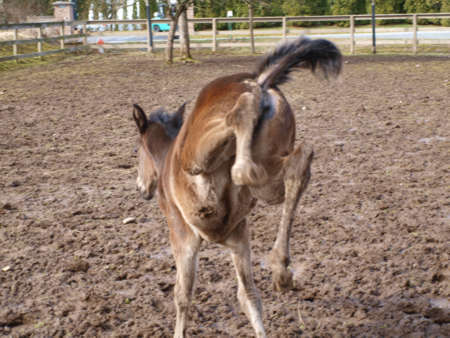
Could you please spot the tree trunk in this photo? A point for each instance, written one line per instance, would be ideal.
(184, 36)
(250, 24)
(170, 39)
(3, 16)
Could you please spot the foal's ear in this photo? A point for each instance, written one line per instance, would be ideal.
(176, 120)
(140, 118)
(179, 114)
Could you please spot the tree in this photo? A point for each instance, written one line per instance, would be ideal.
(305, 7)
(445, 9)
(125, 9)
(18, 10)
(425, 6)
(340, 7)
(417, 6)
(184, 32)
(343, 7)
(174, 11)
(83, 7)
(143, 9)
(387, 7)
(251, 7)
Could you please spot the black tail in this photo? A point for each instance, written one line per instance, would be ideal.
(275, 67)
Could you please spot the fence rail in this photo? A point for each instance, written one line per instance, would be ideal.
(40, 39)
(214, 41)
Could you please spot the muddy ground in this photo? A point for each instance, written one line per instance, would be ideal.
(370, 244)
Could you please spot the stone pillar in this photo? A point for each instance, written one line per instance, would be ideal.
(64, 11)
(190, 15)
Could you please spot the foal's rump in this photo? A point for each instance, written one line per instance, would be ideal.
(251, 117)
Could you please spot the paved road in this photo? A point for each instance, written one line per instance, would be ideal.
(427, 35)
(124, 38)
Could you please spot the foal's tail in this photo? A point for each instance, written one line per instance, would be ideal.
(275, 67)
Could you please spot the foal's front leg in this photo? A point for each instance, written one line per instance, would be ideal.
(185, 246)
(296, 178)
(248, 296)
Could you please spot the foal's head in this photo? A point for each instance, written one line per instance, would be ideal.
(156, 134)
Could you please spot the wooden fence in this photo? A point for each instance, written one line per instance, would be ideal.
(39, 27)
(213, 40)
(213, 36)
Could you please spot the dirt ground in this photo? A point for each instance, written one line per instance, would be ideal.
(370, 244)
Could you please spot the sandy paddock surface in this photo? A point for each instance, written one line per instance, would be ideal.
(370, 244)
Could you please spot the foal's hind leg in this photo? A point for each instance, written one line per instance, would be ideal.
(248, 296)
(243, 119)
(185, 246)
(296, 178)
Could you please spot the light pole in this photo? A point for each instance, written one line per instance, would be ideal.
(149, 27)
(374, 44)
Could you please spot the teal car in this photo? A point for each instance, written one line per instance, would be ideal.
(159, 27)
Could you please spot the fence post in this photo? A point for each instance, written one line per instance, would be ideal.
(251, 27)
(415, 33)
(61, 42)
(149, 27)
(352, 35)
(284, 29)
(39, 44)
(16, 37)
(85, 42)
(214, 32)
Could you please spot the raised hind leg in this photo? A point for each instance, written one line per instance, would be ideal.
(185, 246)
(248, 296)
(296, 178)
(243, 119)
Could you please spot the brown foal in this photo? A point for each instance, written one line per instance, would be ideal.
(235, 147)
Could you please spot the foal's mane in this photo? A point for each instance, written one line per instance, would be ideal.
(170, 122)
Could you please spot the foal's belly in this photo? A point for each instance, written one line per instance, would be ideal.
(212, 205)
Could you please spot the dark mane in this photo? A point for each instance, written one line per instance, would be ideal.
(171, 122)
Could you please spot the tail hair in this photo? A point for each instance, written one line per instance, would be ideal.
(274, 68)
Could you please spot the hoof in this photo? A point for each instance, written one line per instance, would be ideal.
(248, 173)
(283, 280)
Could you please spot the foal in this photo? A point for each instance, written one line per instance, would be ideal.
(236, 146)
